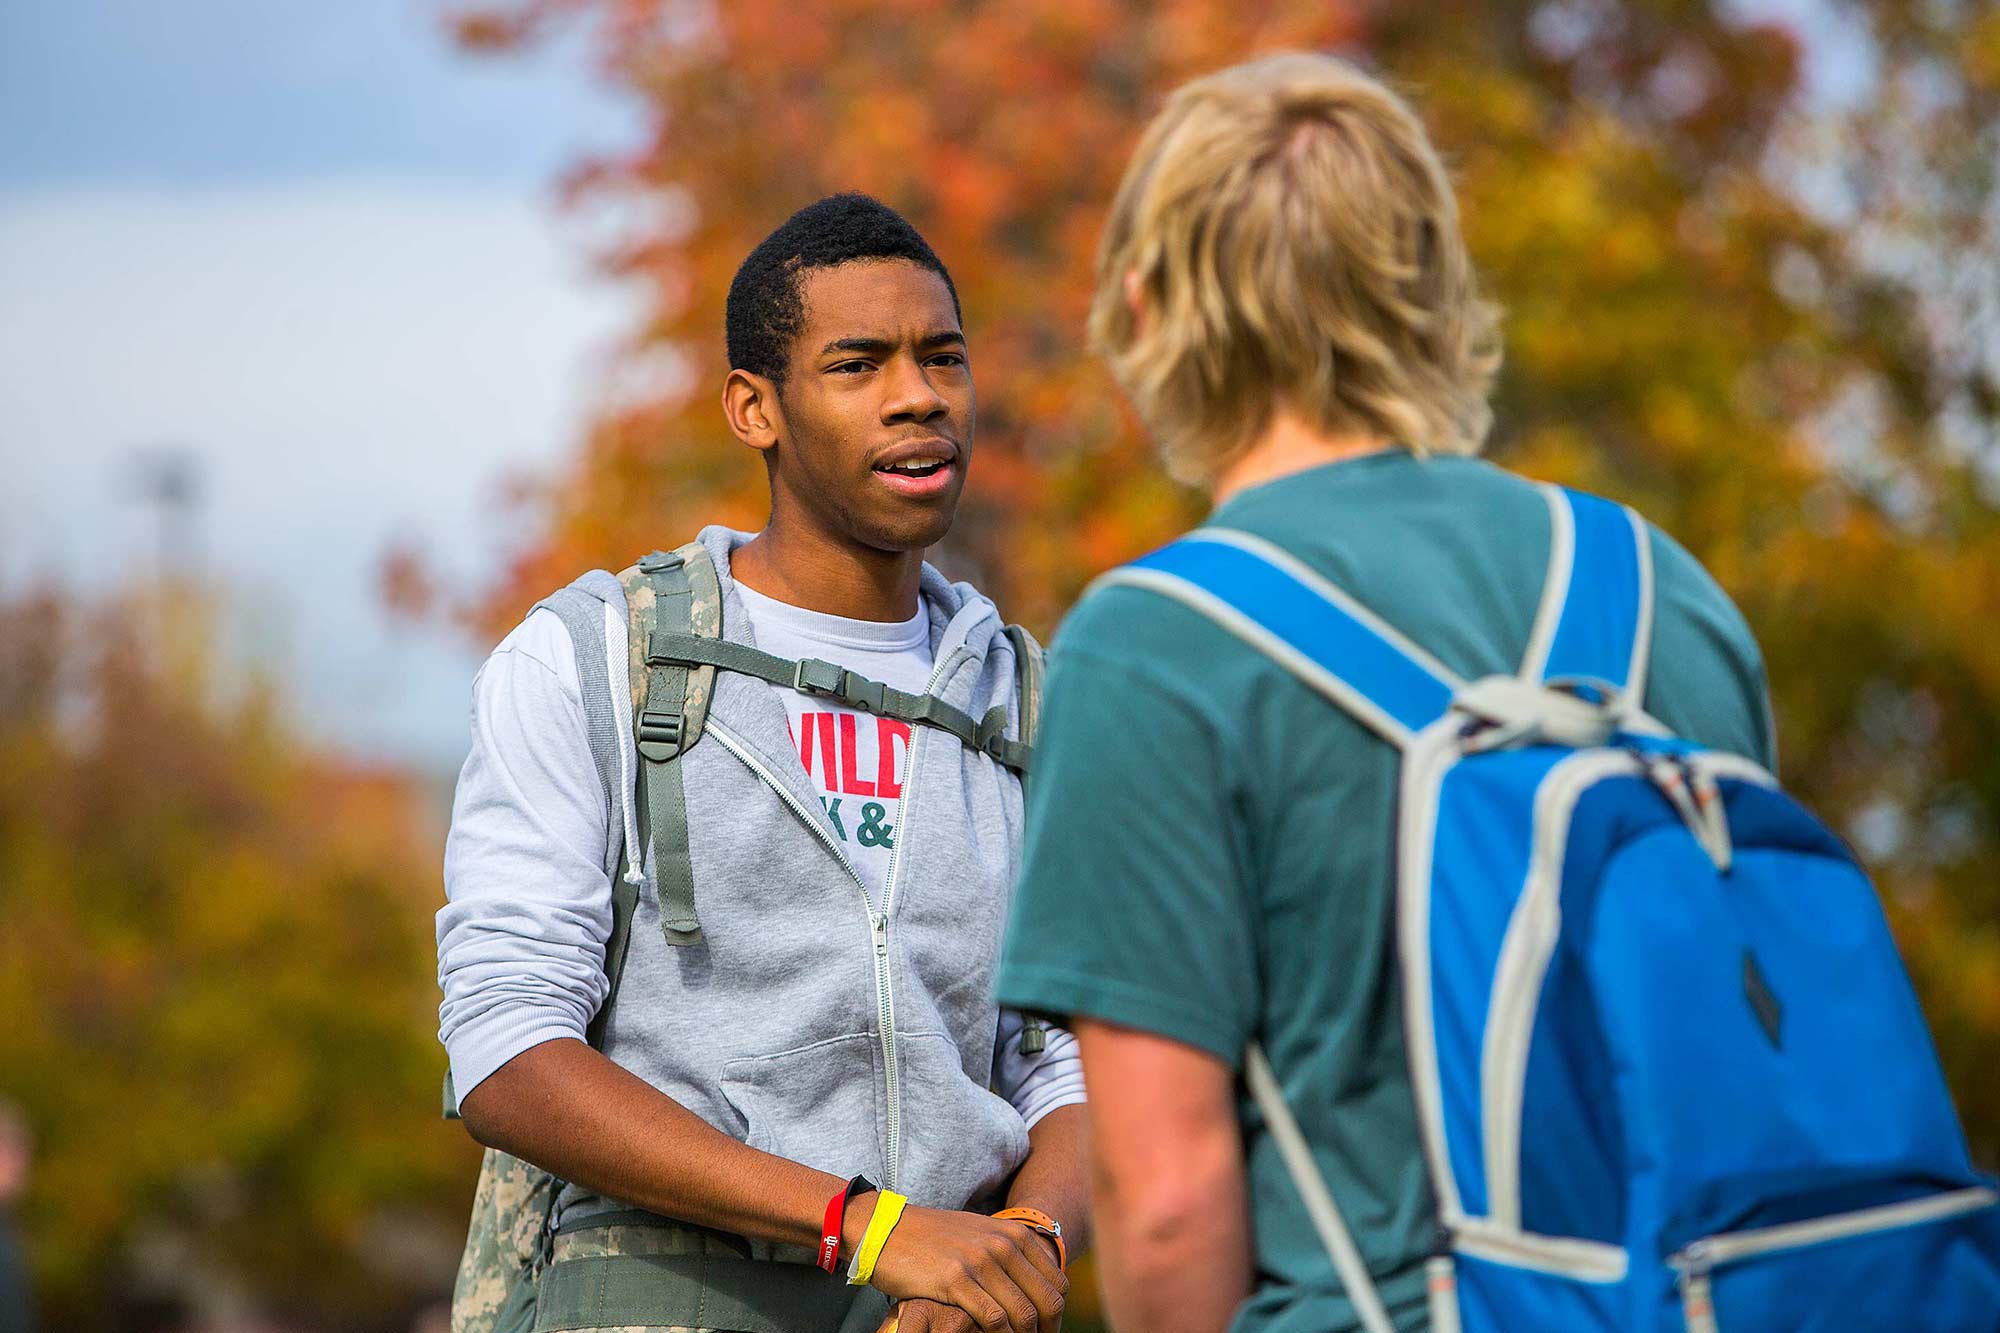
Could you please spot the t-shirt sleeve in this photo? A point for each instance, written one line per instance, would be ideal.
(1707, 680)
(1134, 905)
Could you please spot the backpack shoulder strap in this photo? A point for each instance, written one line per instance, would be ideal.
(1277, 605)
(1030, 667)
(674, 592)
(1595, 623)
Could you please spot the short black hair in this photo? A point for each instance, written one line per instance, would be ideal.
(766, 306)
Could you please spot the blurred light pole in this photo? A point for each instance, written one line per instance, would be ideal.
(168, 478)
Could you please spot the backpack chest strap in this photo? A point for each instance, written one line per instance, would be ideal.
(828, 680)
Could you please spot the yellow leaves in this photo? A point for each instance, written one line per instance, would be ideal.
(1982, 52)
(216, 970)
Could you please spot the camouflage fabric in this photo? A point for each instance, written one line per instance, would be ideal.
(705, 616)
(510, 1216)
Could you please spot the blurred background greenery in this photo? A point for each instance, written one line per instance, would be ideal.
(1750, 259)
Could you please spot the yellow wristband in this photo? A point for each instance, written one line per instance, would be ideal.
(888, 1212)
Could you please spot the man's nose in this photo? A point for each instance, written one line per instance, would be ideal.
(912, 396)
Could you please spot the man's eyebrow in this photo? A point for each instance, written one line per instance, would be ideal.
(866, 345)
(882, 346)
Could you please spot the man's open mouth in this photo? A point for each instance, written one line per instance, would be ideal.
(915, 468)
(920, 468)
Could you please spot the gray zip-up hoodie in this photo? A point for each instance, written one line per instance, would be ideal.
(814, 1020)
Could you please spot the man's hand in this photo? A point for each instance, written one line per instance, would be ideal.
(927, 1317)
(1001, 1275)
(922, 1316)
(935, 1317)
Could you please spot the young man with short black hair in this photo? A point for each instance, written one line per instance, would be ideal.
(811, 1001)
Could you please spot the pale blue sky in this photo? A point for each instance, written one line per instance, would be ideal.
(209, 92)
(315, 247)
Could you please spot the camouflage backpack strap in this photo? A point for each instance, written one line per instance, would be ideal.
(672, 592)
(1030, 667)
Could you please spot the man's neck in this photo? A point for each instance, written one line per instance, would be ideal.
(804, 568)
(1286, 445)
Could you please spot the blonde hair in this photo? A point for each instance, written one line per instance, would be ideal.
(1293, 240)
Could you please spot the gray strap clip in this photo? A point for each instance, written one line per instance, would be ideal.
(816, 676)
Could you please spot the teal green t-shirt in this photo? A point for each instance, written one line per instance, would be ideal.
(1209, 843)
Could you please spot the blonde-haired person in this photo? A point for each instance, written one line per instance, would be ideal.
(1285, 295)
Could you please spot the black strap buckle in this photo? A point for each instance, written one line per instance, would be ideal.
(660, 734)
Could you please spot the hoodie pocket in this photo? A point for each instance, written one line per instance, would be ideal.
(816, 1104)
(960, 1142)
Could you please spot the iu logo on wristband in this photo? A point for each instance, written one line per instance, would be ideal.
(836, 1213)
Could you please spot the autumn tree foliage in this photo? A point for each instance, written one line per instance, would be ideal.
(1770, 320)
(217, 975)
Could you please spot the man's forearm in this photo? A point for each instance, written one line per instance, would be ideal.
(1168, 1198)
(1169, 1268)
(1055, 1178)
(571, 1111)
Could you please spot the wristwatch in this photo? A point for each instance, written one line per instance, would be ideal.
(1037, 1220)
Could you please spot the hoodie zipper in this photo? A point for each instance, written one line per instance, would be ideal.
(885, 992)
(878, 922)
(878, 926)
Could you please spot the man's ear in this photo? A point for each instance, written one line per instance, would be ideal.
(1135, 298)
(750, 403)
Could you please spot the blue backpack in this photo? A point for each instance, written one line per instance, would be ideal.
(1669, 1071)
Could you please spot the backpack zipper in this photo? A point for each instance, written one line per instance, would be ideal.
(1534, 929)
(1698, 1259)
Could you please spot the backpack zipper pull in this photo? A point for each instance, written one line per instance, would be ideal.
(1693, 793)
(1697, 1292)
(1714, 829)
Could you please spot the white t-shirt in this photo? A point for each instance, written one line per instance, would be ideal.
(857, 761)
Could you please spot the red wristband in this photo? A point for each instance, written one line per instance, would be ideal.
(836, 1215)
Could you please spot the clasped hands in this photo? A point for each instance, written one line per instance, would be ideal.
(957, 1272)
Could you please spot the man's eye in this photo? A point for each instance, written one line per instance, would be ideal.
(948, 359)
(848, 367)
